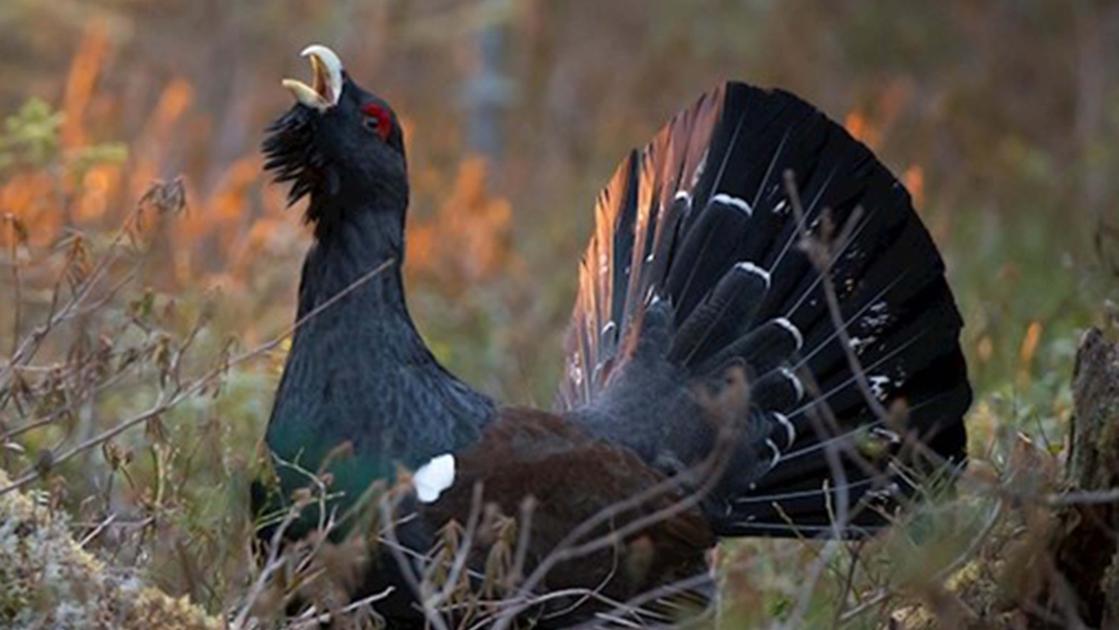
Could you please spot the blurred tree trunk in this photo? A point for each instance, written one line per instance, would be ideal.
(1084, 545)
(488, 92)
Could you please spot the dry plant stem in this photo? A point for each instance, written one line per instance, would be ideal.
(939, 576)
(586, 593)
(110, 293)
(84, 395)
(276, 559)
(17, 284)
(109, 520)
(589, 593)
(634, 604)
(30, 345)
(327, 521)
(848, 582)
(167, 401)
(1083, 497)
(838, 518)
(273, 562)
(310, 620)
(524, 529)
(463, 551)
(817, 254)
(388, 508)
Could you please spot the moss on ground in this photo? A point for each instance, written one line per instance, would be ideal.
(47, 580)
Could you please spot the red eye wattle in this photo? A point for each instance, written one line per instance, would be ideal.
(378, 119)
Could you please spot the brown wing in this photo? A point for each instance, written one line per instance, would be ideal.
(594, 505)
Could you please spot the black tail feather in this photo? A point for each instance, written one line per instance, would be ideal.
(703, 219)
(725, 311)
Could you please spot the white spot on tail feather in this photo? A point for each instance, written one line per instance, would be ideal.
(750, 267)
(885, 434)
(883, 494)
(431, 479)
(609, 328)
(858, 343)
(796, 382)
(702, 166)
(878, 317)
(684, 195)
(574, 370)
(878, 383)
(734, 202)
(776, 452)
(793, 330)
(790, 430)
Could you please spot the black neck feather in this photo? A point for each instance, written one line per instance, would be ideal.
(360, 255)
(358, 369)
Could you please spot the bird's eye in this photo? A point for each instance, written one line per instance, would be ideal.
(378, 120)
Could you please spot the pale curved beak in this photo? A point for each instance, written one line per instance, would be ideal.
(326, 81)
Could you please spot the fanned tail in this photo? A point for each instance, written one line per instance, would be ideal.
(702, 220)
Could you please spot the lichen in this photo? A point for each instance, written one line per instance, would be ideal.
(48, 580)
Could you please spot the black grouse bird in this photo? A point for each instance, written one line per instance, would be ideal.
(763, 343)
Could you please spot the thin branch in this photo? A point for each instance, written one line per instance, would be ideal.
(310, 620)
(166, 402)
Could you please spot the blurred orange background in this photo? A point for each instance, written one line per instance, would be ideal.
(1000, 118)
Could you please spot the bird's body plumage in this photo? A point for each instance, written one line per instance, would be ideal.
(708, 389)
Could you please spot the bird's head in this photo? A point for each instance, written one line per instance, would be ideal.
(339, 143)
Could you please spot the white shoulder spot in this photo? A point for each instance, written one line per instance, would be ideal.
(434, 477)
